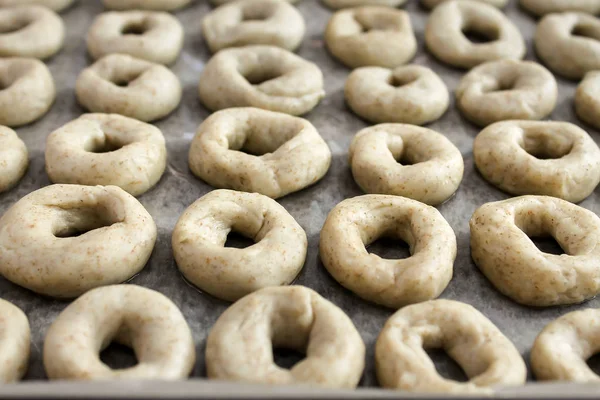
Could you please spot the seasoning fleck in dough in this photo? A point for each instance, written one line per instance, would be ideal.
(13, 159)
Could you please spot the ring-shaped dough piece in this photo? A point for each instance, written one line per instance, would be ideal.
(339, 4)
(560, 351)
(131, 315)
(221, 2)
(149, 35)
(410, 94)
(149, 5)
(357, 222)
(13, 160)
(240, 344)
(565, 53)
(371, 36)
(434, 3)
(587, 99)
(445, 38)
(406, 160)
(543, 7)
(31, 32)
(550, 158)
(488, 357)
(55, 5)
(275, 259)
(107, 149)
(254, 22)
(506, 90)
(285, 153)
(503, 251)
(43, 249)
(27, 92)
(15, 342)
(136, 88)
(266, 77)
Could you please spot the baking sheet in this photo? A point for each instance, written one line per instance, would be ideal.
(178, 189)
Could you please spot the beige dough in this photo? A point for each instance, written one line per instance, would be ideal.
(129, 86)
(221, 2)
(543, 7)
(13, 160)
(445, 38)
(503, 251)
(506, 90)
(488, 358)
(546, 158)
(40, 249)
(152, 5)
(560, 351)
(27, 91)
(285, 153)
(433, 166)
(229, 273)
(371, 36)
(14, 342)
(31, 31)
(587, 99)
(357, 222)
(248, 22)
(239, 346)
(130, 315)
(56, 5)
(261, 76)
(495, 3)
(566, 54)
(107, 149)
(409, 94)
(337, 4)
(150, 35)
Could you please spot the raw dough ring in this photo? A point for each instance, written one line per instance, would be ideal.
(357, 222)
(32, 31)
(338, 4)
(40, 249)
(248, 22)
(56, 5)
(506, 90)
(587, 99)
(291, 154)
(371, 36)
(495, 3)
(545, 158)
(501, 248)
(433, 166)
(150, 5)
(409, 94)
(221, 2)
(543, 7)
(15, 342)
(13, 161)
(571, 56)
(560, 351)
(107, 149)
(28, 91)
(150, 35)
(284, 81)
(131, 315)
(129, 86)
(488, 357)
(445, 38)
(228, 273)
(239, 346)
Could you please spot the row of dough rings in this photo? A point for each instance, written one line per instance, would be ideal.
(107, 149)
(506, 90)
(261, 76)
(130, 315)
(371, 36)
(587, 99)
(151, 5)
(152, 36)
(357, 222)
(502, 250)
(120, 237)
(199, 238)
(240, 344)
(27, 92)
(284, 153)
(539, 157)
(410, 94)
(543, 7)
(129, 86)
(445, 38)
(488, 358)
(382, 157)
(13, 159)
(248, 22)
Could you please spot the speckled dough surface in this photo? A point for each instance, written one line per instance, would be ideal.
(240, 343)
(587, 99)
(15, 337)
(13, 158)
(154, 5)
(543, 7)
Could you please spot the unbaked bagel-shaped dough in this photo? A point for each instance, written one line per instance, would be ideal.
(587, 99)
(13, 159)
(543, 7)
(56, 5)
(15, 342)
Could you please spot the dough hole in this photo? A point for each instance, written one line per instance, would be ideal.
(586, 31)
(238, 241)
(480, 36)
(117, 356)
(594, 363)
(548, 245)
(260, 76)
(546, 146)
(134, 28)
(80, 220)
(446, 366)
(13, 26)
(389, 248)
(258, 14)
(124, 82)
(287, 358)
(107, 147)
(399, 82)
